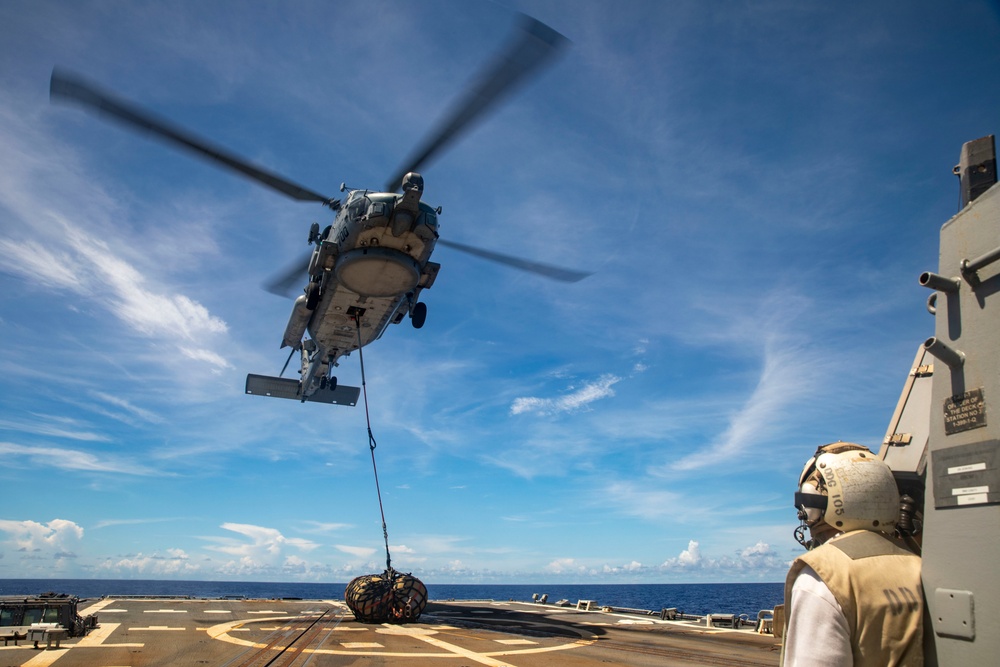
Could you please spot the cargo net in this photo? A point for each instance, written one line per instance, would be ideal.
(390, 597)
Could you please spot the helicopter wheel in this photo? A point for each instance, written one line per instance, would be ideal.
(419, 315)
(332, 384)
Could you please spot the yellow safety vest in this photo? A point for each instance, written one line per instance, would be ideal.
(876, 581)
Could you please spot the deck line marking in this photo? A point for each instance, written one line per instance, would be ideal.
(97, 636)
(361, 645)
(46, 658)
(96, 607)
(452, 648)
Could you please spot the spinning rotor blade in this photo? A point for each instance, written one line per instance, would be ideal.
(547, 270)
(69, 87)
(536, 44)
(285, 282)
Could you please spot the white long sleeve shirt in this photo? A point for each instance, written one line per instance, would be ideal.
(818, 634)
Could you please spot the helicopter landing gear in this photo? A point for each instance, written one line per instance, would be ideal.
(418, 315)
(328, 383)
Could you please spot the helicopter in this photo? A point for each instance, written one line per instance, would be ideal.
(366, 269)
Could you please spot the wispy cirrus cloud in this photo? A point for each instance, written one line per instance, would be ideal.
(71, 459)
(43, 425)
(788, 377)
(83, 260)
(578, 398)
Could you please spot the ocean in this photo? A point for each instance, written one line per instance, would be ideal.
(689, 598)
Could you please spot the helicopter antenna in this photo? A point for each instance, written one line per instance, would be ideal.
(372, 444)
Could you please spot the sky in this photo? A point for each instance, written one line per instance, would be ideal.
(755, 186)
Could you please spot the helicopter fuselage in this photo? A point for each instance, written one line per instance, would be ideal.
(366, 272)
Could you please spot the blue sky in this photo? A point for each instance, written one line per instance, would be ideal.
(756, 187)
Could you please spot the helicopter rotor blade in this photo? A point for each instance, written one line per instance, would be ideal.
(535, 44)
(66, 86)
(284, 282)
(546, 270)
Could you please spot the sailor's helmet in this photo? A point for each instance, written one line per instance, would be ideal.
(849, 488)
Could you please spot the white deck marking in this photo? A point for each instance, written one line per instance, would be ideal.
(113, 611)
(166, 611)
(361, 645)
(157, 628)
(452, 648)
(267, 611)
(512, 642)
(217, 611)
(223, 630)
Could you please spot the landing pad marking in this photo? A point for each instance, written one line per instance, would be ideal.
(425, 634)
(361, 645)
(46, 658)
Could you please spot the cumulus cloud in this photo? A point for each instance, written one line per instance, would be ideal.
(564, 566)
(55, 539)
(263, 553)
(174, 562)
(759, 557)
(690, 557)
(581, 397)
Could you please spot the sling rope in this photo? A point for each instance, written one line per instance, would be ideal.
(390, 597)
(372, 444)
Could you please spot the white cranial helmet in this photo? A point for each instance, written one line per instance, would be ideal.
(849, 488)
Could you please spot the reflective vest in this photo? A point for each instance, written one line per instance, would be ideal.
(877, 584)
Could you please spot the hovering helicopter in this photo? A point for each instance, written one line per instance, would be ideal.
(368, 268)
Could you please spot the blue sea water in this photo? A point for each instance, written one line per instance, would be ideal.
(688, 598)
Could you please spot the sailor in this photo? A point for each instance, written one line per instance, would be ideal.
(854, 598)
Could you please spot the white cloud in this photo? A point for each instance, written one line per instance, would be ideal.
(322, 527)
(758, 558)
(43, 425)
(175, 563)
(263, 553)
(71, 459)
(357, 552)
(788, 377)
(590, 392)
(124, 404)
(57, 536)
(564, 566)
(690, 557)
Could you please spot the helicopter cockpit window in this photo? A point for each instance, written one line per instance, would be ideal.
(357, 203)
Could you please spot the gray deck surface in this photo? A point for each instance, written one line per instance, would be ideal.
(165, 631)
